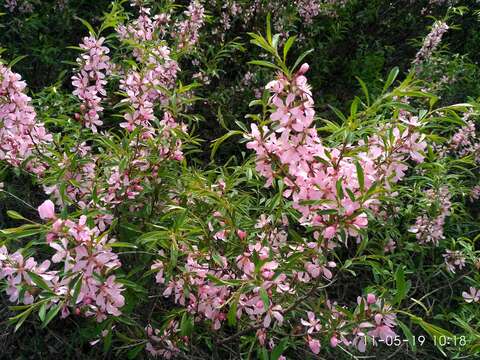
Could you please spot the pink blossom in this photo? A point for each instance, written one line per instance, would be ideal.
(242, 234)
(371, 299)
(46, 210)
(334, 341)
(109, 297)
(313, 323)
(314, 345)
(472, 296)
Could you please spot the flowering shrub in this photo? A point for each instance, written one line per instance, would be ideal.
(354, 234)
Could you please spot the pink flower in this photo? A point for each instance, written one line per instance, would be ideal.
(242, 234)
(313, 323)
(244, 263)
(47, 210)
(274, 312)
(109, 297)
(314, 345)
(334, 341)
(382, 331)
(371, 299)
(472, 296)
(282, 112)
(158, 266)
(268, 269)
(330, 232)
(62, 253)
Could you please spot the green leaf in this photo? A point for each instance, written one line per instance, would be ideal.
(119, 244)
(87, 25)
(364, 89)
(279, 349)
(350, 194)
(340, 193)
(217, 142)
(22, 319)
(327, 212)
(217, 258)
(360, 175)
(261, 42)
(16, 60)
(232, 313)
(287, 47)
(126, 320)
(354, 107)
(263, 353)
(15, 215)
(173, 254)
(42, 312)
(186, 325)
(107, 341)
(135, 351)
(133, 285)
(269, 29)
(391, 78)
(432, 330)
(77, 286)
(265, 64)
(265, 298)
(408, 335)
(38, 280)
(401, 286)
(275, 40)
(300, 59)
(218, 281)
(51, 314)
(338, 113)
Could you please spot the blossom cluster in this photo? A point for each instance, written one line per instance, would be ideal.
(431, 42)
(454, 259)
(309, 9)
(208, 285)
(187, 31)
(253, 263)
(163, 343)
(25, 7)
(465, 141)
(144, 88)
(92, 176)
(327, 185)
(103, 188)
(429, 228)
(375, 321)
(90, 81)
(208, 281)
(21, 134)
(87, 262)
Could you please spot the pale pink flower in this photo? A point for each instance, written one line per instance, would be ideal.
(472, 296)
(46, 210)
(313, 323)
(314, 345)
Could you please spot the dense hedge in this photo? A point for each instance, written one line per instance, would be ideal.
(239, 179)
